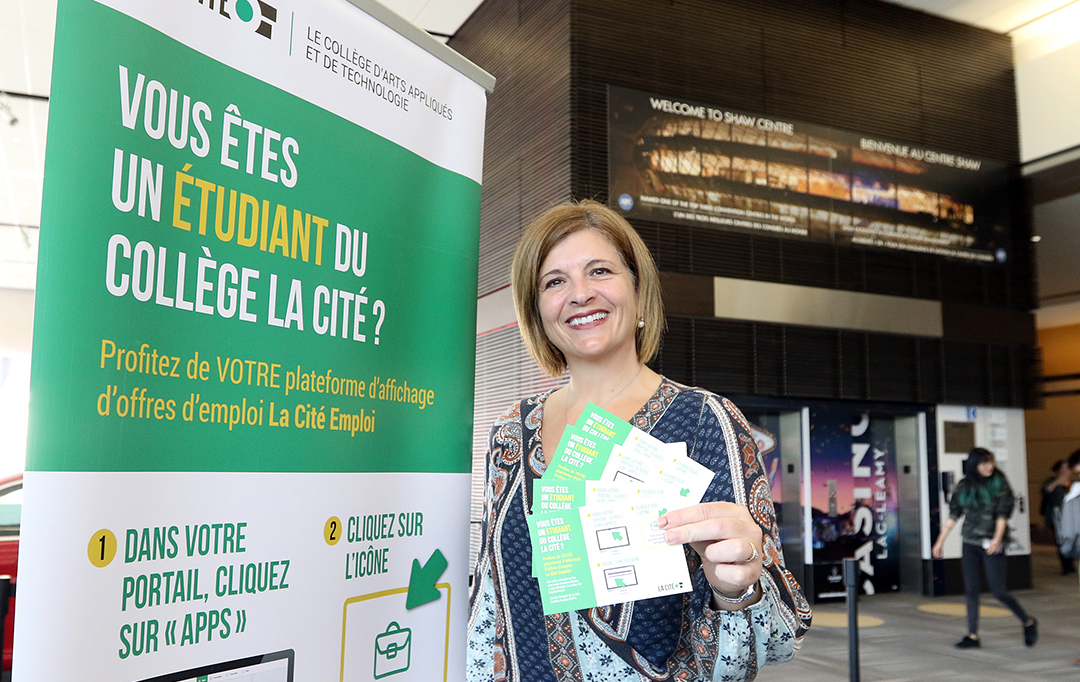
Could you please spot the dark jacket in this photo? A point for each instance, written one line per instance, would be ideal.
(979, 517)
(1051, 500)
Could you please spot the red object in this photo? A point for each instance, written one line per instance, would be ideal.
(9, 564)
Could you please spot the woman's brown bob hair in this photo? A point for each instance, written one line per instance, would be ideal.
(550, 228)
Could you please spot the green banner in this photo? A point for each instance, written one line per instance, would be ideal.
(191, 317)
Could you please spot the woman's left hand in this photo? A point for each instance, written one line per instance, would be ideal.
(994, 547)
(725, 537)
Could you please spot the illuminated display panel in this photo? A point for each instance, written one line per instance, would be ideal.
(692, 163)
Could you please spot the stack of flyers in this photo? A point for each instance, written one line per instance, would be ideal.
(593, 526)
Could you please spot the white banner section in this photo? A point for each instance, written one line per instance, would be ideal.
(339, 58)
(184, 571)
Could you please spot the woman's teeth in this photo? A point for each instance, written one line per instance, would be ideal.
(577, 321)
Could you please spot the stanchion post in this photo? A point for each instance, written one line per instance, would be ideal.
(851, 581)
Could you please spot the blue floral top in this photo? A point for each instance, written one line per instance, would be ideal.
(676, 637)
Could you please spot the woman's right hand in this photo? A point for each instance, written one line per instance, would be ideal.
(726, 538)
(938, 549)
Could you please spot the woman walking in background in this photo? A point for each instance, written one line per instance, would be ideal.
(985, 500)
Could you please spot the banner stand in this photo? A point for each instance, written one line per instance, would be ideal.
(252, 383)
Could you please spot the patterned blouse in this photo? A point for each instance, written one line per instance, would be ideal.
(675, 637)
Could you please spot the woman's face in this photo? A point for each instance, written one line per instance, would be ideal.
(986, 468)
(588, 303)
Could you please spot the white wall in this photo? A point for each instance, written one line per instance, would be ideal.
(1046, 50)
(1048, 99)
(16, 320)
(16, 327)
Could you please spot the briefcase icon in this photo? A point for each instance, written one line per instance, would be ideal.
(393, 649)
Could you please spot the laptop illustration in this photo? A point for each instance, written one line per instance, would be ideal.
(275, 667)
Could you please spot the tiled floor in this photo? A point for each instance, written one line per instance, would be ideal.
(915, 645)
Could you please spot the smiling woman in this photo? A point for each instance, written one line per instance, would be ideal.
(587, 297)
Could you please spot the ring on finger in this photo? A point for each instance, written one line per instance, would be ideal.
(753, 553)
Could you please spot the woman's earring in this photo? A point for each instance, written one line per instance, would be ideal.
(641, 322)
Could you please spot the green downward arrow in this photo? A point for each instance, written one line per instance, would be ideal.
(684, 492)
(422, 580)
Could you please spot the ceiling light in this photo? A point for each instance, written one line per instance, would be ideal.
(1036, 238)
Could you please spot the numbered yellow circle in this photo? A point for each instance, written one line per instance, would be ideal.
(332, 530)
(102, 548)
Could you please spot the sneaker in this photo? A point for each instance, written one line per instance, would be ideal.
(969, 642)
(1031, 633)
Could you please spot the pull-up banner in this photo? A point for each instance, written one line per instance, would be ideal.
(255, 326)
(854, 499)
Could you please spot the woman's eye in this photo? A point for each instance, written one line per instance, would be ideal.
(601, 271)
(554, 281)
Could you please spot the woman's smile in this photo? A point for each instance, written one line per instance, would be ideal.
(586, 319)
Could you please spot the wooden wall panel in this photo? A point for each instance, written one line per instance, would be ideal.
(867, 67)
(860, 65)
(527, 146)
(734, 357)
